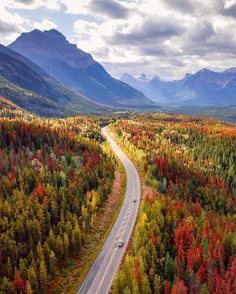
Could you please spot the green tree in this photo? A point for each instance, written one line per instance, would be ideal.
(9, 270)
(32, 279)
(52, 264)
(157, 284)
(59, 247)
(145, 286)
(28, 288)
(169, 268)
(76, 240)
(7, 286)
(204, 289)
(66, 244)
(43, 278)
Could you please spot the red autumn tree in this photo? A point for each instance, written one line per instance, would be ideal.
(19, 283)
(136, 270)
(179, 288)
(166, 288)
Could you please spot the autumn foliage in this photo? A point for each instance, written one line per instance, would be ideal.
(54, 178)
(185, 239)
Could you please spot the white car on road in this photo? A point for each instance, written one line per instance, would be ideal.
(120, 243)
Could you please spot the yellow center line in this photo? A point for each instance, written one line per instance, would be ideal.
(114, 250)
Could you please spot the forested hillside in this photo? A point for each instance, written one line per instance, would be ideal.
(185, 239)
(10, 110)
(26, 84)
(54, 179)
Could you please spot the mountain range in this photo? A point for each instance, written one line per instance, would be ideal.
(204, 88)
(43, 73)
(76, 69)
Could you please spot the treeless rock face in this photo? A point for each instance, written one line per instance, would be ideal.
(45, 43)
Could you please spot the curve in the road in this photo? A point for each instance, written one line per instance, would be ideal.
(102, 273)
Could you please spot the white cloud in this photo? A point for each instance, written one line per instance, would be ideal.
(164, 37)
(76, 7)
(11, 25)
(229, 3)
(154, 36)
(32, 4)
(82, 27)
(44, 25)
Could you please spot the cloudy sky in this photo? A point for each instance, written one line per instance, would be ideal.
(158, 37)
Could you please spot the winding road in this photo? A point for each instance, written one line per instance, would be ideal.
(102, 273)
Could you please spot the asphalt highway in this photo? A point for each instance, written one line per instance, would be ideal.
(102, 272)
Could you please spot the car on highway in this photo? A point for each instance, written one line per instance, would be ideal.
(135, 200)
(120, 243)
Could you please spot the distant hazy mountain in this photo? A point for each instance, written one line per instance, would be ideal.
(139, 83)
(230, 70)
(143, 78)
(76, 69)
(207, 87)
(204, 88)
(155, 88)
(29, 86)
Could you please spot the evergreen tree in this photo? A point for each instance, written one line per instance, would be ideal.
(76, 240)
(157, 285)
(43, 279)
(7, 286)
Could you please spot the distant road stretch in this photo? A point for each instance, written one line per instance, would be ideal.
(101, 275)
